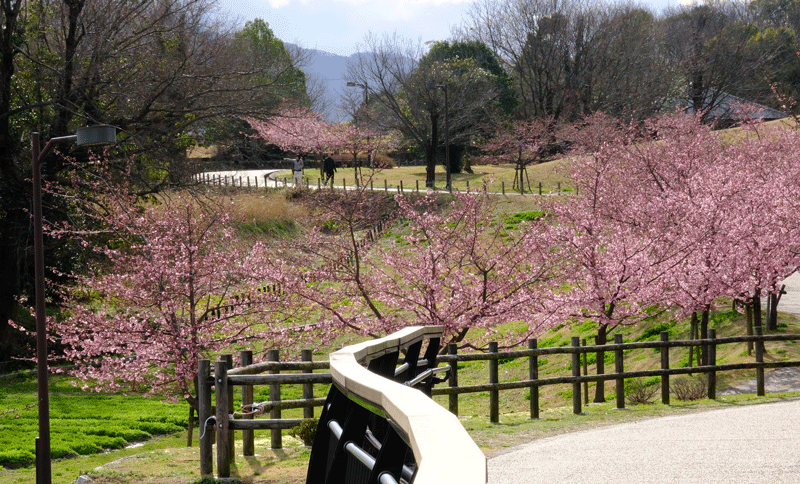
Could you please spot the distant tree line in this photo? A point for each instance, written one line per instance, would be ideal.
(558, 61)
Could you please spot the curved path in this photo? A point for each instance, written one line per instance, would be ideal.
(751, 444)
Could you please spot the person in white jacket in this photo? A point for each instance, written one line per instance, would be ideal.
(297, 171)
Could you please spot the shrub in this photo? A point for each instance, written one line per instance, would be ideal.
(654, 333)
(690, 388)
(640, 392)
(305, 431)
(13, 458)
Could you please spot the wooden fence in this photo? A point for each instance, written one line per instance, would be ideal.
(254, 182)
(225, 377)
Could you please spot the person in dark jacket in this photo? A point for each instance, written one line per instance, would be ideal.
(328, 168)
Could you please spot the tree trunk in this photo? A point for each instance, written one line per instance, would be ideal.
(757, 318)
(704, 334)
(774, 299)
(602, 337)
(692, 332)
(748, 308)
(14, 194)
(430, 162)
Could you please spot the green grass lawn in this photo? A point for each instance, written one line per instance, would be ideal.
(498, 177)
(81, 423)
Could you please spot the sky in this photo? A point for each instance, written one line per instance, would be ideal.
(339, 26)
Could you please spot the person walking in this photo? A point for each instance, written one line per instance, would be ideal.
(328, 168)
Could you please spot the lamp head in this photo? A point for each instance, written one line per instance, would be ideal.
(101, 135)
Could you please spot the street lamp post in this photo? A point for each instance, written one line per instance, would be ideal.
(443, 87)
(87, 136)
(365, 87)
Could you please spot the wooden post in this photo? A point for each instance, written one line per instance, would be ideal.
(344, 184)
(619, 368)
(203, 414)
(503, 187)
(749, 312)
(494, 394)
(223, 406)
(308, 388)
(401, 186)
(451, 188)
(712, 361)
(585, 373)
(275, 396)
(559, 187)
(385, 185)
(665, 366)
(576, 372)
(417, 186)
(533, 375)
(759, 359)
(231, 434)
(540, 188)
(248, 437)
(452, 399)
(370, 185)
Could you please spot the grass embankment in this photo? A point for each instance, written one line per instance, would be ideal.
(166, 459)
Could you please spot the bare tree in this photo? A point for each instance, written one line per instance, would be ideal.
(414, 94)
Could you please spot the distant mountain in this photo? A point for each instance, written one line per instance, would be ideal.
(329, 70)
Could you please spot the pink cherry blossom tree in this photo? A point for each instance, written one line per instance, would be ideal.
(461, 267)
(523, 143)
(298, 130)
(172, 286)
(353, 140)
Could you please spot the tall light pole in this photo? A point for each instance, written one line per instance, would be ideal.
(87, 136)
(365, 87)
(443, 87)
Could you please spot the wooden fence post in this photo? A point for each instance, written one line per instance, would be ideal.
(248, 437)
(540, 188)
(417, 185)
(223, 406)
(308, 388)
(275, 396)
(576, 373)
(712, 361)
(665, 366)
(533, 375)
(231, 434)
(203, 414)
(503, 187)
(759, 359)
(619, 368)
(585, 373)
(494, 394)
(401, 186)
(385, 185)
(452, 399)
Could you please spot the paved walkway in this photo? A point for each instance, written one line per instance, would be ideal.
(743, 445)
(752, 444)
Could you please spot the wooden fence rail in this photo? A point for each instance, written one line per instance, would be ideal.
(245, 182)
(225, 378)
